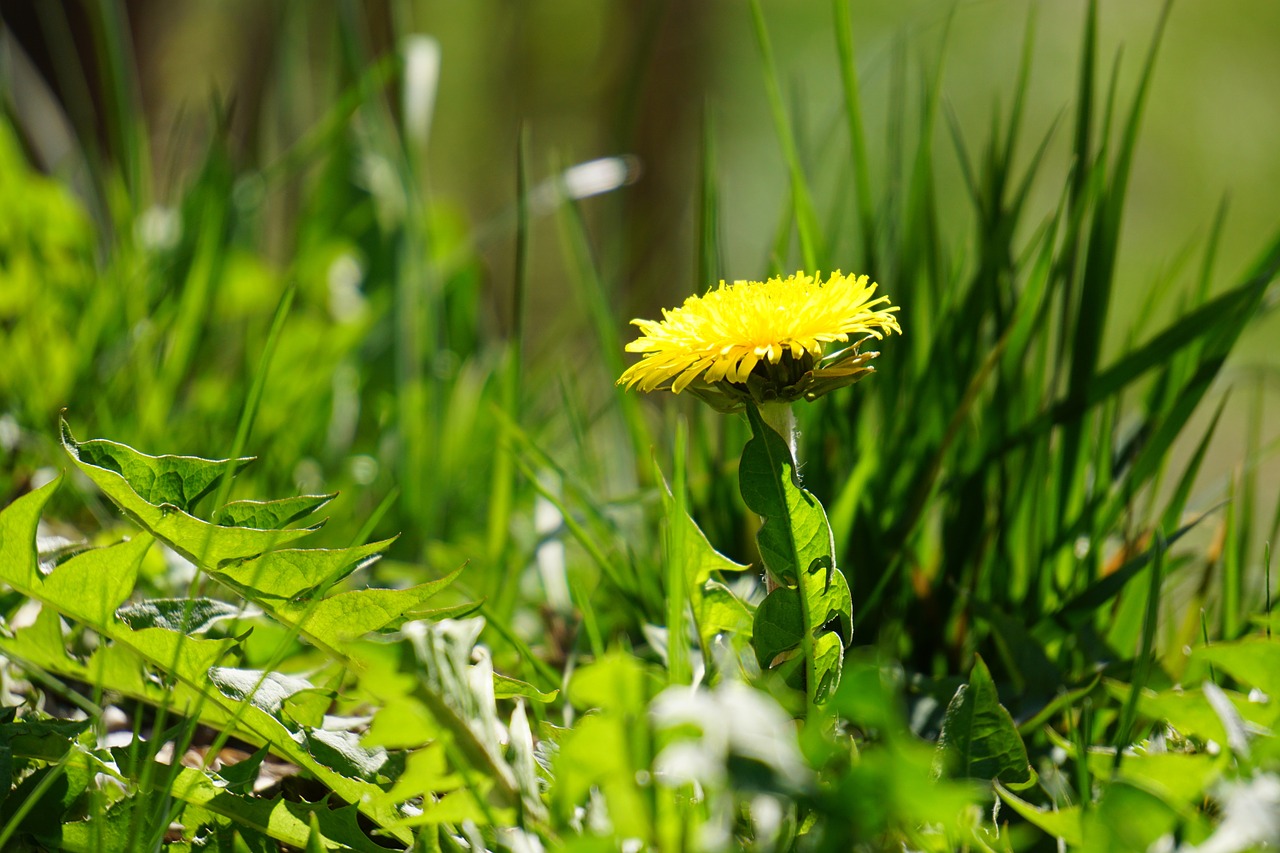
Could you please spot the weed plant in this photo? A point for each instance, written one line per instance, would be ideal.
(556, 651)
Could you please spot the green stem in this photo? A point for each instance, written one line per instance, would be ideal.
(781, 418)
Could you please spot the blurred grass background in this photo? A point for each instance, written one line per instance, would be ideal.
(594, 79)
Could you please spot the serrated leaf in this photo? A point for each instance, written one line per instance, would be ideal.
(282, 820)
(291, 573)
(46, 740)
(184, 615)
(798, 550)
(180, 481)
(715, 607)
(207, 545)
(349, 615)
(154, 664)
(979, 739)
(92, 584)
(269, 515)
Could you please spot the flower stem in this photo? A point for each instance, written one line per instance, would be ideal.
(781, 418)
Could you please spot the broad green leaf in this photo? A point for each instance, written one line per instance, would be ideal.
(778, 626)
(347, 615)
(1254, 661)
(207, 545)
(43, 739)
(291, 573)
(1190, 713)
(283, 820)
(129, 660)
(722, 611)
(269, 515)
(1180, 779)
(796, 544)
(19, 565)
(715, 607)
(795, 533)
(184, 615)
(179, 481)
(91, 585)
(1127, 818)
(979, 739)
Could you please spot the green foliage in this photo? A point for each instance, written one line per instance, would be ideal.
(979, 739)
(511, 635)
(795, 543)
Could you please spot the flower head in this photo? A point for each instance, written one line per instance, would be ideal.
(763, 341)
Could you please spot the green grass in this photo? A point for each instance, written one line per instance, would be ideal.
(1052, 612)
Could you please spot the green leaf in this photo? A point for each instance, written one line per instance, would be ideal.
(778, 626)
(1254, 661)
(511, 688)
(1190, 712)
(155, 664)
(269, 515)
(19, 564)
(184, 615)
(207, 545)
(979, 739)
(715, 607)
(179, 481)
(348, 615)
(291, 573)
(43, 739)
(795, 541)
(1127, 818)
(282, 820)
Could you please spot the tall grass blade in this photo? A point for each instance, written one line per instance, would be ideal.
(805, 216)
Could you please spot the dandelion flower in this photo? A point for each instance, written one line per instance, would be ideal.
(763, 341)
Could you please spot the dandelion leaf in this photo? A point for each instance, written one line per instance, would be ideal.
(811, 611)
(269, 515)
(292, 573)
(184, 615)
(284, 821)
(141, 655)
(178, 481)
(979, 739)
(207, 545)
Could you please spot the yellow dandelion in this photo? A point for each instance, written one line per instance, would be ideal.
(765, 341)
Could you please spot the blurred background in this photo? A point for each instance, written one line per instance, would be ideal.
(593, 79)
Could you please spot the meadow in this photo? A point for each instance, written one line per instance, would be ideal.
(327, 524)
